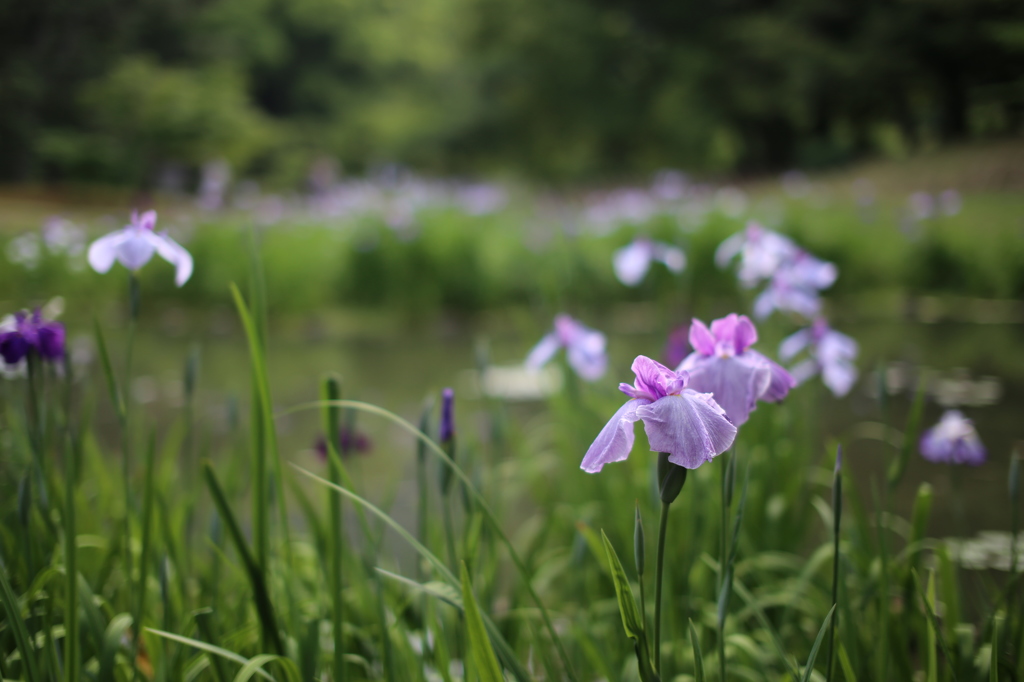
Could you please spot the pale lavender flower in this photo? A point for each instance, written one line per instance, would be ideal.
(953, 440)
(134, 245)
(794, 286)
(951, 202)
(831, 353)
(690, 426)
(921, 205)
(723, 364)
(632, 261)
(585, 348)
(762, 252)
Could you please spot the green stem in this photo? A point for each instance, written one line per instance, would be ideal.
(449, 531)
(658, 571)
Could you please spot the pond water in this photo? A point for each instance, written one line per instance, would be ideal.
(976, 366)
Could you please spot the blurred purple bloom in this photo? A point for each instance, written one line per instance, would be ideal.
(26, 333)
(831, 353)
(794, 286)
(349, 441)
(761, 253)
(689, 426)
(951, 202)
(632, 261)
(446, 431)
(921, 205)
(724, 365)
(953, 440)
(677, 347)
(584, 348)
(134, 245)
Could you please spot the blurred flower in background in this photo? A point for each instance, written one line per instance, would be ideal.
(584, 348)
(134, 245)
(953, 440)
(831, 353)
(632, 261)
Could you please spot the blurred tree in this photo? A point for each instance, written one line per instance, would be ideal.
(568, 89)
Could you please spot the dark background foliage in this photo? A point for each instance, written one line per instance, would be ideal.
(128, 91)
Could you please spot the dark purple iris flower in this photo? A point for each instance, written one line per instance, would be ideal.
(677, 347)
(724, 365)
(24, 333)
(688, 425)
(446, 430)
(953, 440)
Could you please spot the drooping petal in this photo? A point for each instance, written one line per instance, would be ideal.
(103, 251)
(542, 353)
(174, 253)
(691, 427)
(781, 380)
(632, 261)
(50, 340)
(615, 441)
(736, 382)
(839, 377)
(729, 249)
(701, 338)
(794, 343)
(802, 371)
(136, 249)
(745, 334)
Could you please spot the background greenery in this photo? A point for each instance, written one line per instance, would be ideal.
(120, 91)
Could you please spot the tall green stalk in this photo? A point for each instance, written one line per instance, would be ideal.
(671, 478)
(331, 391)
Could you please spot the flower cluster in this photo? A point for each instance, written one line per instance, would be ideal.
(795, 279)
(24, 334)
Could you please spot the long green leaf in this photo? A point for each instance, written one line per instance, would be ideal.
(108, 371)
(698, 656)
(210, 649)
(899, 465)
(264, 606)
(479, 643)
(17, 624)
(257, 663)
(809, 668)
(623, 593)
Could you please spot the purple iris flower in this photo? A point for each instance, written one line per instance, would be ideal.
(584, 348)
(24, 333)
(762, 252)
(632, 261)
(723, 364)
(953, 440)
(831, 353)
(689, 426)
(446, 430)
(677, 347)
(134, 245)
(795, 285)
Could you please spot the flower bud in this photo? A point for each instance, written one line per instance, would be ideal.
(671, 478)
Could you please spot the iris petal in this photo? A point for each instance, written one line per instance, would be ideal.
(691, 427)
(103, 251)
(615, 441)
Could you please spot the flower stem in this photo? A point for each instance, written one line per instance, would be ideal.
(662, 526)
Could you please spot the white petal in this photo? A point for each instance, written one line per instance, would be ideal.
(632, 261)
(136, 249)
(175, 254)
(543, 351)
(103, 251)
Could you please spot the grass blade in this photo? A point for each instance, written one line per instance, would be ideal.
(17, 625)
(698, 657)
(479, 643)
(331, 391)
(264, 606)
(809, 668)
(210, 649)
(481, 504)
